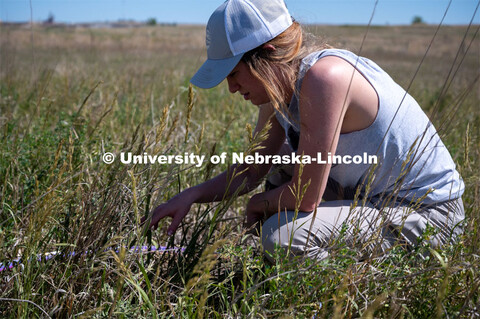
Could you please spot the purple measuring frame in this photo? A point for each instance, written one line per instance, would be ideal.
(134, 249)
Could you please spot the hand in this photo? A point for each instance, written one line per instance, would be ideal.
(176, 208)
(256, 214)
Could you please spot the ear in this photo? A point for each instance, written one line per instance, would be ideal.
(268, 47)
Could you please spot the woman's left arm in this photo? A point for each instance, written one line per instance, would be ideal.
(324, 100)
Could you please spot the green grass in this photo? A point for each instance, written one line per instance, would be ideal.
(73, 94)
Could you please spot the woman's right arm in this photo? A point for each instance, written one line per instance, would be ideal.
(225, 184)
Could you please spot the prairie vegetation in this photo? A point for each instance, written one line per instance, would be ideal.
(68, 95)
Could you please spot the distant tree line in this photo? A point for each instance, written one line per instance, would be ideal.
(418, 20)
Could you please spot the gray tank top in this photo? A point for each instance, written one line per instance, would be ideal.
(412, 160)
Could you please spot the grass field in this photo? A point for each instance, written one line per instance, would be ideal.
(68, 95)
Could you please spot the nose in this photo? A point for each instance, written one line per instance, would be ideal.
(232, 85)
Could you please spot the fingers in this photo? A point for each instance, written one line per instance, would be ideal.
(253, 218)
(253, 224)
(169, 209)
(177, 219)
(159, 213)
(254, 228)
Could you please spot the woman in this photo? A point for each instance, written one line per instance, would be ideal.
(327, 102)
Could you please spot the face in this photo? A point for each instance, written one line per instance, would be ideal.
(241, 80)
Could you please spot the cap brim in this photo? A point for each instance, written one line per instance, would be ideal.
(213, 72)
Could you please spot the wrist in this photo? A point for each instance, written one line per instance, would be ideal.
(191, 195)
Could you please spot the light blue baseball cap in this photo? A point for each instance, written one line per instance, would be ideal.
(236, 27)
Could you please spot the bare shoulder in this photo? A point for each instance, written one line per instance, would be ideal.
(329, 70)
(333, 84)
(327, 82)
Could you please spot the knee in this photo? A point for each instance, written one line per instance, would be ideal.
(287, 238)
(270, 238)
(274, 247)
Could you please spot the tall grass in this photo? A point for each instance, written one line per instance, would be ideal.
(96, 91)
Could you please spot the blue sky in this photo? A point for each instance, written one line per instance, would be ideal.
(198, 11)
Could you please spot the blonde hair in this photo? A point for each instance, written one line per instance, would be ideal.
(277, 69)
